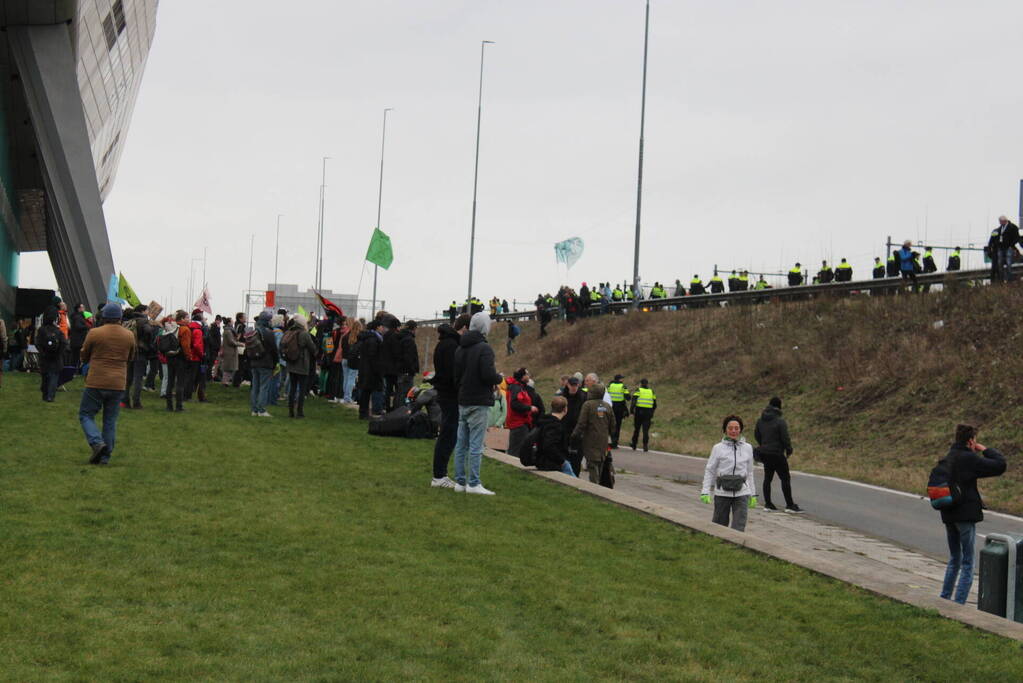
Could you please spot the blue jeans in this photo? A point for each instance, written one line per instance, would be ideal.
(260, 393)
(1005, 263)
(472, 427)
(961, 537)
(348, 377)
(566, 468)
(48, 384)
(92, 401)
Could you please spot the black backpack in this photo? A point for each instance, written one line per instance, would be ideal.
(942, 487)
(48, 340)
(290, 346)
(529, 448)
(354, 353)
(168, 344)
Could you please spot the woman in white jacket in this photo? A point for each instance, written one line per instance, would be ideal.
(729, 473)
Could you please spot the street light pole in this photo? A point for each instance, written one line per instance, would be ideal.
(319, 232)
(252, 248)
(476, 171)
(277, 251)
(639, 180)
(380, 199)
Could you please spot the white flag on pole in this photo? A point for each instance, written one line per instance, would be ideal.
(203, 302)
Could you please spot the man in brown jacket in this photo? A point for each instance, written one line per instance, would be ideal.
(107, 349)
(593, 431)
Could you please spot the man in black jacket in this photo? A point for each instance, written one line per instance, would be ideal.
(552, 450)
(79, 328)
(370, 381)
(477, 377)
(574, 397)
(408, 362)
(389, 358)
(775, 447)
(967, 461)
(447, 397)
(1002, 247)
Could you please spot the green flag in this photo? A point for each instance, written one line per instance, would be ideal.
(379, 251)
(124, 291)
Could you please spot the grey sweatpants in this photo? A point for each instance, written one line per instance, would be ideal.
(737, 506)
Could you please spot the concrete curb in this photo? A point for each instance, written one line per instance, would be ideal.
(815, 562)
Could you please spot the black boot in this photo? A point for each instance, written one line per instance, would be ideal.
(170, 405)
(291, 409)
(300, 413)
(179, 408)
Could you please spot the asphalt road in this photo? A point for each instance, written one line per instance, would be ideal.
(899, 517)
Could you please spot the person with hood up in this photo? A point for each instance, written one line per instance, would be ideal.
(729, 474)
(594, 430)
(522, 410)
(301, 367)
(262, 364)
(446, 384)
(968, 460)
(370, 379)
(52, 345)
(775, 446)
(476, 377)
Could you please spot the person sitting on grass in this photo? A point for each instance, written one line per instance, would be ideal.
(729, 473)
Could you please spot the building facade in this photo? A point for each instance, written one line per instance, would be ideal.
(289, 297)
(70, 72)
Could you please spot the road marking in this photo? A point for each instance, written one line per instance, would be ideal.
(992, 513)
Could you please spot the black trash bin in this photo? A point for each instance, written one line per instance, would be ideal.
(1001, 551)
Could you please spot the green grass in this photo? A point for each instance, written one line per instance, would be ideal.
(220, 546)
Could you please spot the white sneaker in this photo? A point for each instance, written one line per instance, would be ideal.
(264, 414)
(442, 483)
(459, 488)
(255, 414)
(478, 489)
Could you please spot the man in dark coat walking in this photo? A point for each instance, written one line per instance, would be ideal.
(775, 447)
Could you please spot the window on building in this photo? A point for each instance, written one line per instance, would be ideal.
(114, 23)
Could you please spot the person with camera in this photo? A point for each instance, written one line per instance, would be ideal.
(967, 461)
(729, 474)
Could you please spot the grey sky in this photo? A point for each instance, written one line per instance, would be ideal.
(775, 131)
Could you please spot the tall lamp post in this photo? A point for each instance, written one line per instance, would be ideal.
(476, 171)
(380, 200)
(639, 180)
(319, 231)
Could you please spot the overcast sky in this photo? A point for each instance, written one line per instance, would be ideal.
(775, 132)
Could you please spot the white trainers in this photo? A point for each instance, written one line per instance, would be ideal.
(255, 414)
(442, 483)
(459, 488)
(478, 489)
(264, 414)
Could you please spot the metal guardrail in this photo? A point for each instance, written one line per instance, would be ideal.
(802, 292)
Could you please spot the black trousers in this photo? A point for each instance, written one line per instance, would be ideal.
(297, 390)
(446, 438)
(641, 420)
(619, 408)
(176, 371)
(780, 464)
(133, 397)
(154, 371)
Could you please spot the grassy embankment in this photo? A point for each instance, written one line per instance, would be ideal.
(218, 546)
(872, 390)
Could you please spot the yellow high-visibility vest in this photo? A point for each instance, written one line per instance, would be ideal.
(616, 391)
(645, 398)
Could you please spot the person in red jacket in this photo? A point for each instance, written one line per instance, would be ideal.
(196, 378)
(524, 406)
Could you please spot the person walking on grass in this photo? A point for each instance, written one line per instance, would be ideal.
(446, 384)
(775, 447)
(299, 352)
(593, 431)
(52, 345)
(967, 461)
(476, 377)
(729, 474)
(108, 349)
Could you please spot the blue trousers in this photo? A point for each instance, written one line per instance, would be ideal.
(94, 400)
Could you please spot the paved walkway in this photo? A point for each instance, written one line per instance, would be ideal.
(877, 566)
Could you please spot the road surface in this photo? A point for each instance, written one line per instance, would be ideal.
(900, 517)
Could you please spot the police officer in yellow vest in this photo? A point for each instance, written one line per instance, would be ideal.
(619, 404)
(644, 403)
(954, 260)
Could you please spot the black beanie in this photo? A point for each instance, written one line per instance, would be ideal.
(776, 402)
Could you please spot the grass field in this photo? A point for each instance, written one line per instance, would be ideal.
(873, 388)
(219, 546)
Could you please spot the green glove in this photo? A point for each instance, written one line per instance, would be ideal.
(752, 501)
(705, 499)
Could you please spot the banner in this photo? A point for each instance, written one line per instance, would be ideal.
(271, 298)
(569, 251)
(154, 311)
(124, 291)
(203, 302)
(379, 251)
(329, 305)
(112, 286)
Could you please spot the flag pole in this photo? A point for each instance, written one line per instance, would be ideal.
(476, 172)
(380, 199)
(639, 179)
